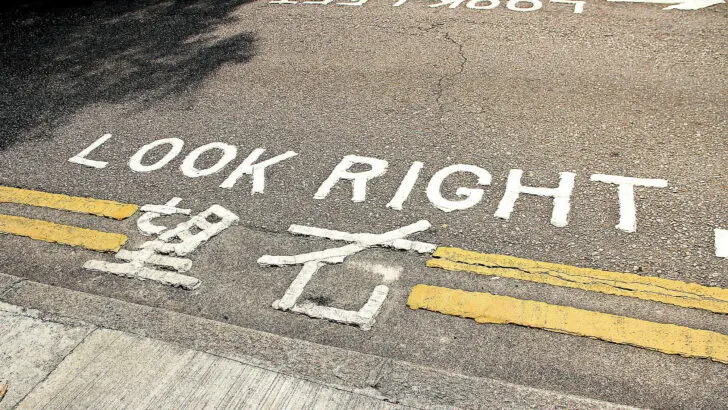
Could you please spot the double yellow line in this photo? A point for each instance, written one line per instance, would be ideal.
(64, 234)
(690, 295)
(482, 307)
(488, 308)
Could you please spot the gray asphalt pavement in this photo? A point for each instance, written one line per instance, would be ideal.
(622, 89)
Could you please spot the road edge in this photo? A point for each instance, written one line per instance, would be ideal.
(386, 379)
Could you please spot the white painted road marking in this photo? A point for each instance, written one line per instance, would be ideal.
(188, 164)
(472, 196)
(517, 5)
(721, 243)
(135, 162)
(368, 238)
(249, 167)
(190, 241)
(405, 188)
(347, 170)
(229, 152)
(313, 261)
(676, 4)
(578, 5)
(136, 268)
(473, 4)
(561, 195)
(627, 209)
(81, 159)
(389, 273)
(489, 4)
(152, 253)
(358, 179)
(144, 223)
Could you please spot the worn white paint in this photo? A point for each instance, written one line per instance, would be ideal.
(453, 4)
(141, 263)
(313, 261)
(514, 5)
(694, 4)
(148, 255)
(358, 179)
(167, 209)
(388, 273)
(393, 239)
(299, 283)
(625, 191)
(137, 268)
(229, 152)
(325, 2)
(472, 196)
(150, 212)
(578, 5)
(478, 4)
(561, 195)
(81, 159)
(333, 255)
(337, 255)
(249, 167)
(677, 4)
(364, 317)
(401, 244)
(135, 162)
(189, 241)
(155, 275)
(721, 243)
(405, 188)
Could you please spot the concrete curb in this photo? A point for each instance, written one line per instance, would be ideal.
(390, 380)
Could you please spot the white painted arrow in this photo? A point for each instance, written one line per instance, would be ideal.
(676, 4)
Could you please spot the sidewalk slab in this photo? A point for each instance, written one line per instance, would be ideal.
(30, 349)
(396, 381)
(112, 370)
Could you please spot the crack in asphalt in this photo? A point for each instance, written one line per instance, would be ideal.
(441, 82)
(441, 85)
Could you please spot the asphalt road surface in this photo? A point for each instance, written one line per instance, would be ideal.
(580, 97)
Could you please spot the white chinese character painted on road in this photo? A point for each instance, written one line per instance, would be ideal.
(312, 262)
(161, 253)
(144, 223)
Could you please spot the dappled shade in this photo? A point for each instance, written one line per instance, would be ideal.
(58, 57)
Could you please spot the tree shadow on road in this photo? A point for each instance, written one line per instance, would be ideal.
(59, 56)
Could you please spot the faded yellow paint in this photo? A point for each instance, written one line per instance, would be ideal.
(673, 292)
(488, 308)
(100, 207)
(64, 234)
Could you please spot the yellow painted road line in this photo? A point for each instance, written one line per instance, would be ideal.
(64, 234)
(487, 308)
(673, 292)
(100, 207)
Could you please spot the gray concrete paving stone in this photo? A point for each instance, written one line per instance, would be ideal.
(397, 381)
(30, 349)
(113, 370)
